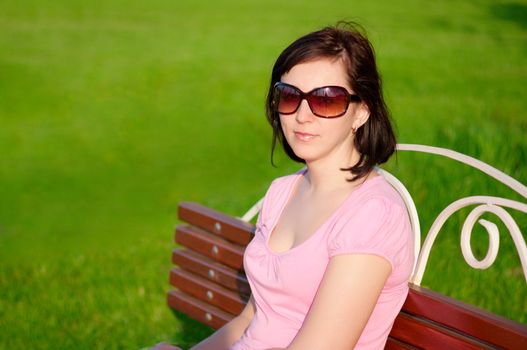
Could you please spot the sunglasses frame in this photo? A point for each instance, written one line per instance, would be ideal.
(305, 96)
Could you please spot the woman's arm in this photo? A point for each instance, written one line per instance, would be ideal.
(344, 302)
(232, 331)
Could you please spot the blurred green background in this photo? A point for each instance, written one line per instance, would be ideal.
(113, 112)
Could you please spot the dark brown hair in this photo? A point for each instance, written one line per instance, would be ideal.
(375, 140)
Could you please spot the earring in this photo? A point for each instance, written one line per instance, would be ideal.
(353, 129)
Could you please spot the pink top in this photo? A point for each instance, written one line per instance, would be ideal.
(371, 220)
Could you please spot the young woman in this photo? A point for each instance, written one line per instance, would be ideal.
(332, 252)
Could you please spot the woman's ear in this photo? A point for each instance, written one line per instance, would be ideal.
(361, 115)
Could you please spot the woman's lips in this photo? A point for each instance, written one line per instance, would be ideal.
(304, 136)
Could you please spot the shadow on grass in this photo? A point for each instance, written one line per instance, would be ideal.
(514, 12)
(191, 332)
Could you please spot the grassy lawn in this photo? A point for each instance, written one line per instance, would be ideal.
(112, 113)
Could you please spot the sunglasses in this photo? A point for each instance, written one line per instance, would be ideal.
(324, 102)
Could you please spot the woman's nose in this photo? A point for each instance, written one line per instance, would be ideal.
(303, 113)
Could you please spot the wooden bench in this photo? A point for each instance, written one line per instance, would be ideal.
(211, 287)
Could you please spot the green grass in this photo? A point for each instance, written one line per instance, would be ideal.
(112, 113)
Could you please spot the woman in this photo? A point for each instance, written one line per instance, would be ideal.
(332, 252)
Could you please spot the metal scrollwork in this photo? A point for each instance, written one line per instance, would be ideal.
(486, 204)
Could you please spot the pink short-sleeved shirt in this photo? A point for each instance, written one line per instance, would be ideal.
(371, 220)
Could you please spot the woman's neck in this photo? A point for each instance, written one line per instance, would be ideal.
(324, 175)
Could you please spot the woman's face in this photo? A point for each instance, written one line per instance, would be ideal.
(313, 138)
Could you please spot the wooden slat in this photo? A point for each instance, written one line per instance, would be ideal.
(468, 319)
(211, 270)
(427, 335)
(207, 291)
(232, 229)
(197, 309)
(211, 246)
(394, 344)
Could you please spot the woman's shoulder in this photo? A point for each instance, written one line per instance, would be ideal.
(285, 182)
(374, 198)
(380, 190)
(374, 220)
(277, 193)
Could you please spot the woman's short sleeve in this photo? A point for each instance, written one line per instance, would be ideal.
(378, 226)
(264, 211)
(269, 202)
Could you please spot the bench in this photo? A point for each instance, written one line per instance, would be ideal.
(211, 287)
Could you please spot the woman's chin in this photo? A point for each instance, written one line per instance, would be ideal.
(306, 156)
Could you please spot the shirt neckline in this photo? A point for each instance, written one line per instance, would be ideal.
(292, 188)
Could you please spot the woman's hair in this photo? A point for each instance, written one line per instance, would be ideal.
(375, 140)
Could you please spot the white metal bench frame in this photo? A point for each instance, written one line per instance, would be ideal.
(484, 204)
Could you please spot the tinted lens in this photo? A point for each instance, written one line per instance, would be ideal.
(330, 101)
(287, 99)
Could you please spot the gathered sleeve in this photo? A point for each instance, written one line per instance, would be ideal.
(378, 226)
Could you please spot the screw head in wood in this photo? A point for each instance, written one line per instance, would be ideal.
(215, 250)
(217, 227)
